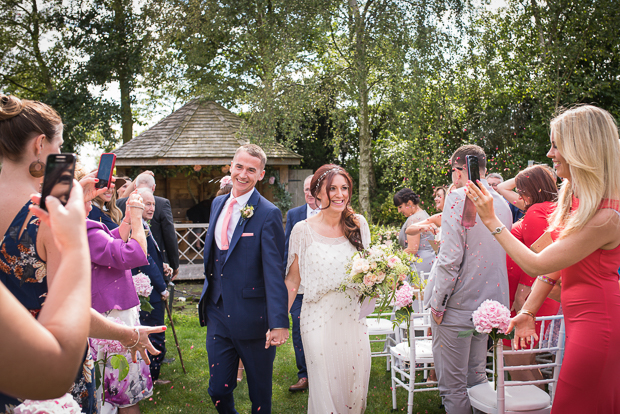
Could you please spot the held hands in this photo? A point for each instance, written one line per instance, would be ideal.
(276, 337)
(65, 221)
(483, 201)
(525, 328)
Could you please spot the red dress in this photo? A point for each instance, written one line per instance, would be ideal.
(527, 231)
(590, 376)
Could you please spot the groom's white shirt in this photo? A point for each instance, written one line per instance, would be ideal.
(234, 219)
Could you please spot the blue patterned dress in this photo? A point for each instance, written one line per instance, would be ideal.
(24, 273)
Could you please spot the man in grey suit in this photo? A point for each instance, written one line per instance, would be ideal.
(471, 268)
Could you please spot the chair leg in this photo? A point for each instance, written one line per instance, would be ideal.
(411, 390)
(393, 385)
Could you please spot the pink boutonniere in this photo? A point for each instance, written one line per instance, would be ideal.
(246, 213)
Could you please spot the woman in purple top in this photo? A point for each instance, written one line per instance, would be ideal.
(113, 254)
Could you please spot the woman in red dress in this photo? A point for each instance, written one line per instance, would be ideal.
(585, 149)
(537, 188)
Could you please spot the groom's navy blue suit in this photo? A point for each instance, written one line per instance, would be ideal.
(243, 296)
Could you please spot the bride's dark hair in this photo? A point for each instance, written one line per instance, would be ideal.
(323, 177)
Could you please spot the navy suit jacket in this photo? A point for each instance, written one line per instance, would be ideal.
(154, 270)
(293, 216)
(253, 291)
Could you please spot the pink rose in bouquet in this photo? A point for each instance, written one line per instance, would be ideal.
(491, 314)
(393, 261)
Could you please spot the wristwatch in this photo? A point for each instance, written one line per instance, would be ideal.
(498, 230)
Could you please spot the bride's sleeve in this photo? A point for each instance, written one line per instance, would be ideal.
(295, 242)
(364, 231)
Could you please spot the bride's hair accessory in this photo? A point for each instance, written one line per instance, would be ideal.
(226, 180)
(318, 182)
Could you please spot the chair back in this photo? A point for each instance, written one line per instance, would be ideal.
(545, 344)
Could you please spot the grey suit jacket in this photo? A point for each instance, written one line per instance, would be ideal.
(471, 266)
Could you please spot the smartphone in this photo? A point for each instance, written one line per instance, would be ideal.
(469, 209)
(473, 169)
(58, 179)
(104, 173)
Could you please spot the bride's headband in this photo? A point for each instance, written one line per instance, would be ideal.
(318, 182)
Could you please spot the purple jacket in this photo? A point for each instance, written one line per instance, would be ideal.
(111, 261)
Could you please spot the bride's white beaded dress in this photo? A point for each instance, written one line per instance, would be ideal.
(335, 340)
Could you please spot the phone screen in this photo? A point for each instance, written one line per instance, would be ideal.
(473, 169)
(58, 179)
(104, 174)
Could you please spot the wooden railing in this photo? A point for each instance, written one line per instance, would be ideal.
(190, 237)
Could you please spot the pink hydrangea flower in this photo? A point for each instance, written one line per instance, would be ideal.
(393, 261)
(489, 315)
(404, 296)
(142, 283)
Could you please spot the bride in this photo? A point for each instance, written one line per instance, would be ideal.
(335, 340)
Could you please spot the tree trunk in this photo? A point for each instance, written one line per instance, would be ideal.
(35, 33)
(122, 69)
(363, 119)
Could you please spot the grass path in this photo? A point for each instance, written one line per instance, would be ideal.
(188, 393)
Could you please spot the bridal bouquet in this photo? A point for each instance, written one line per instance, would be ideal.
(491, 318)
(377, 272)
(142, 283)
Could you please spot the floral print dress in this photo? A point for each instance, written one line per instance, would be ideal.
(24, 273)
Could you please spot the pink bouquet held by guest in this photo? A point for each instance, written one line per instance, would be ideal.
(63, 405)
(491, 318)
(142, 283)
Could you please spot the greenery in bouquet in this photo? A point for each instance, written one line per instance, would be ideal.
(386, 235)
(377, 272)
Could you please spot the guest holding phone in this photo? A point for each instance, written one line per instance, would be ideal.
(585, 151)
(29, 132)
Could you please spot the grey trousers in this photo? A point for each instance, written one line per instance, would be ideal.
(459, 362)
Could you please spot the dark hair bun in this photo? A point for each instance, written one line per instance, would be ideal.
(405, 195)
(10, 106)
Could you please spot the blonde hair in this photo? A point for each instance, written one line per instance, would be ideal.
(115, 213)
(587, 137)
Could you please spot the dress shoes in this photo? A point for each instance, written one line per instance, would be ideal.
(301, 385)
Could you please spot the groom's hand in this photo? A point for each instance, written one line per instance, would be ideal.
(276, 337)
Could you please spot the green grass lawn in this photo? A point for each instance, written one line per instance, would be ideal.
(188, 393)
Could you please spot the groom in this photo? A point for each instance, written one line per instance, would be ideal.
(244, 302)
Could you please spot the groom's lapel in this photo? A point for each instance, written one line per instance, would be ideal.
(253, 201)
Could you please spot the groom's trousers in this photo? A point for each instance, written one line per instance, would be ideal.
(224, 353)
(459, 362)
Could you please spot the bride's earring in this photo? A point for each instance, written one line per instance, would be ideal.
(37, 169)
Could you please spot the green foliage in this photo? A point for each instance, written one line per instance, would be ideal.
(380, 234)
(120, 363)
(283, 199)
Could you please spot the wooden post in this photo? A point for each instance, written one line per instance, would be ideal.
(284, 176)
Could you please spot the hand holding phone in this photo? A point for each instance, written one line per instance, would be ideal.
(469, 209)
(58, 179)
(106, 167)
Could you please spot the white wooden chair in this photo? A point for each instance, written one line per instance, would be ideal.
(522, 396)
(419, 354)
(382, 325)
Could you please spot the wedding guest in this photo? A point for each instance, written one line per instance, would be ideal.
(155, 270)
(517, 207)
(162, 224)
(47, 352)
(439, 196)
(585, 153)
(537, 188)
(336, 342)
(104, 209)
(470, 268)
(113, 254)
(408, 204)
(294, 216)
(29, 132)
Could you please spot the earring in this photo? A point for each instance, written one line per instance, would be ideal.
(37, 169)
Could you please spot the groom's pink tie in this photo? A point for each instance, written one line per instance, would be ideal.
(225, 224)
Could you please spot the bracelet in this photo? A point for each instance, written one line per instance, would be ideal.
(140, 207)
(547, 280)
(527, 312)
(124, 222)
(136, 330)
